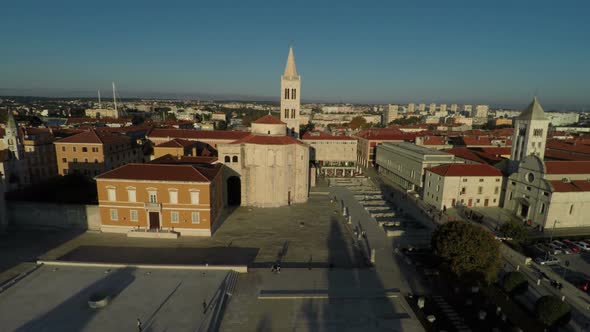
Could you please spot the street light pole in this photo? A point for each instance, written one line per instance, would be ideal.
(551, 237)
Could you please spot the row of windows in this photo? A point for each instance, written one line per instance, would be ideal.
(287, 113)
(152, 195)
(87, 172)
(233, 159)
(479, 190)
(75, 149)
(293, 93)
(174, 216)
(480, 180)
(330, 142)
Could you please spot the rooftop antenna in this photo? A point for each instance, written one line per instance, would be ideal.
(99, 103)
(114, 96)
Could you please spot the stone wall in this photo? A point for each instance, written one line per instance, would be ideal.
(34, 215)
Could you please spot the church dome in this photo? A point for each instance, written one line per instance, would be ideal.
(269, 125)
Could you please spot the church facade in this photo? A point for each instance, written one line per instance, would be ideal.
(544, 194)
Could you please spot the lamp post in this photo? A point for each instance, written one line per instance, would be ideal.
(551, 236)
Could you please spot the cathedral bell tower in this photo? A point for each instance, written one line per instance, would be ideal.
(290, 96)
(530, 134)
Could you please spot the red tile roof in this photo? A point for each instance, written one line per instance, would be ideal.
(495, 150)
(268, 119)
(94, 137)
(434, 140)
(477, 156)
(267, 140)
(573, 186)
(163, 172)
(169, 159)
(197, 134)
(567, 167)
(475, 140)
(465, 170)
(386, 134)
(176, 143)
(320, 135)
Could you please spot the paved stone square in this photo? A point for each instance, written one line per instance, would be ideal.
(51, 299)
(313, 233)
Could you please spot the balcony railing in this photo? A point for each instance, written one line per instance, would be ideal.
(153, 206)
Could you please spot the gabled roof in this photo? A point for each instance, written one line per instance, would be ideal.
(176, 143)
(197, 134)
(472, 155)
(433, 140)
(465, 170)
(163, 172)
(290, 68)
(475, 140)
(533, 112)
(190, 160)
(267, 140)
(268, 119)
(385, 134)
(567, 167)
(93, 137)
(572, 186)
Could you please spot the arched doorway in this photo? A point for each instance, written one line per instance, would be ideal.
(234, 191)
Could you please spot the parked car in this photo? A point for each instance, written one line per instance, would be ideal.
(573, 247)
(551, 260)
(556, 249)
(562, 246)
(583, 245)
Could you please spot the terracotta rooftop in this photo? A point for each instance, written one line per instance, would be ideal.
(320, 135)
(169, 159)
(267, 140)
(434, 140)
(386, 134)
(163, 172)
(465, 170)
(176, 143)
(197, 134)
(268, 119)
(567, 167)
(475, 140)
(94, 137)
(473, 155)
(573, 186)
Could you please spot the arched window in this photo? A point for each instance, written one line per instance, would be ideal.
(235, 159)
(227, 160)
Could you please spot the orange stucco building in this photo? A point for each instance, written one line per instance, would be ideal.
(182, 197)
(93, 152)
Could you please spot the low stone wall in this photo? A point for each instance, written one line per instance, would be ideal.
(36, 215)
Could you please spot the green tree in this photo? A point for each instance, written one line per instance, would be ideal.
(221, 125)
(514, 230)
(551, 311)
(305, 128)
(514, 283)
(470, 251)
(3, 116)
(357, 122)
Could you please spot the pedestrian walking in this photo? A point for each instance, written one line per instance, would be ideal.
(139, 327)
(278, 268)
(204, 306)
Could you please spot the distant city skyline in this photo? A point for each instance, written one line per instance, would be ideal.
(499, 55)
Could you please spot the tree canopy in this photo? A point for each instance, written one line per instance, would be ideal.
(514, 283)
(551, 311)
(470, 251)
(514, 230)
(358, 122)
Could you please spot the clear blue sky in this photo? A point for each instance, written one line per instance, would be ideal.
(500, 52)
